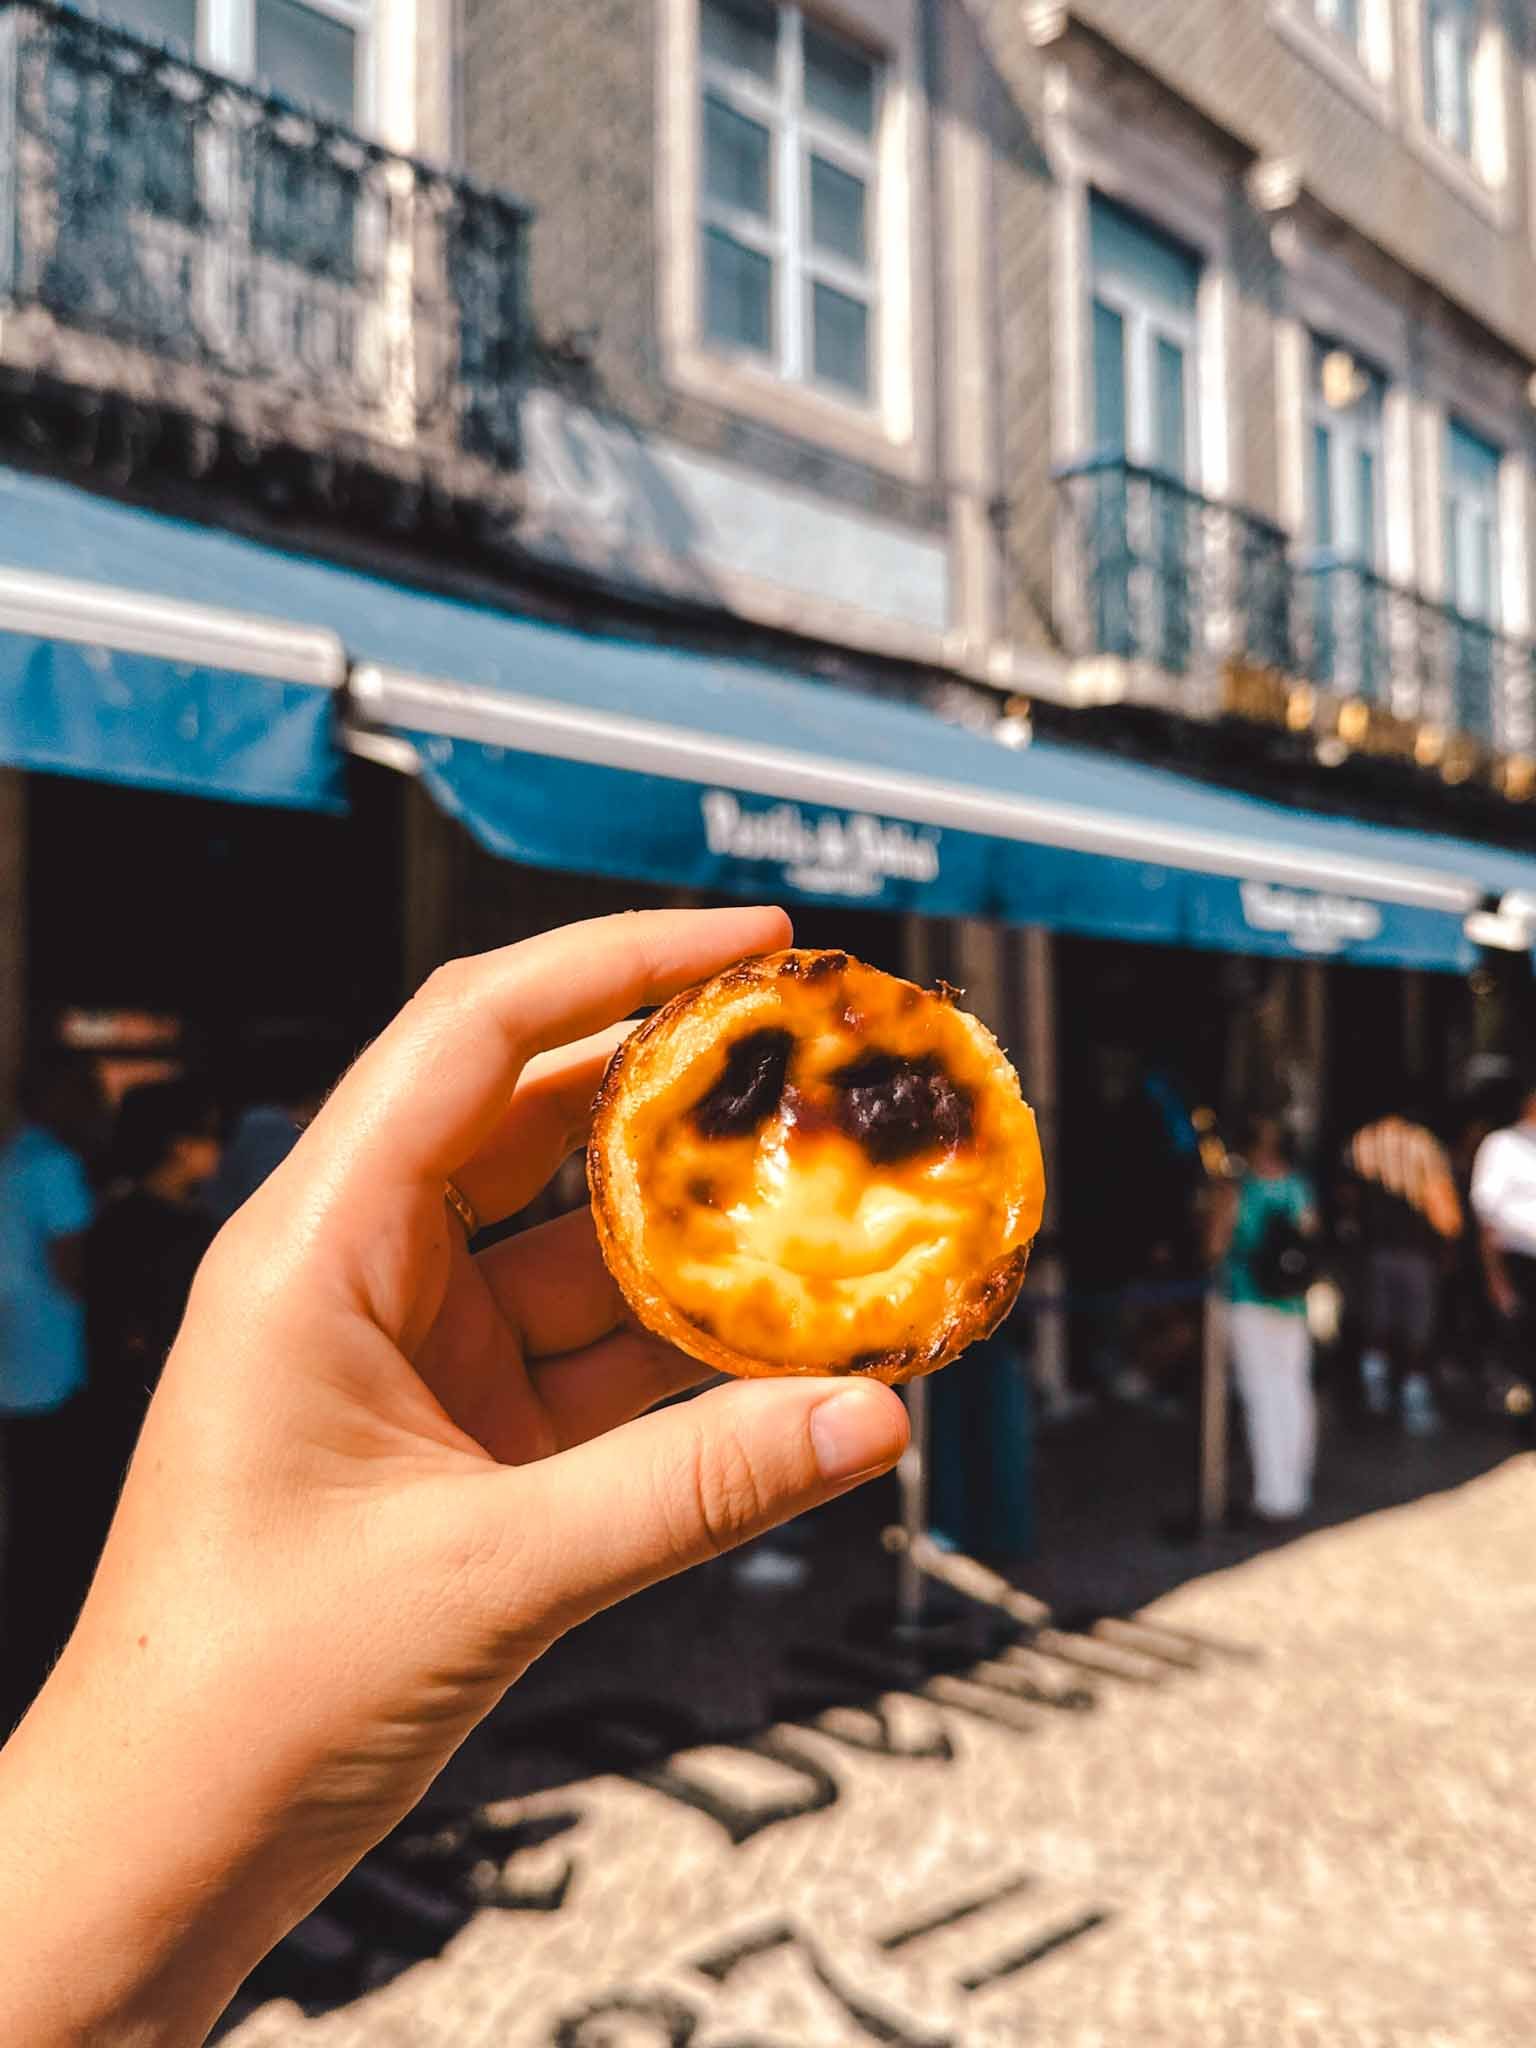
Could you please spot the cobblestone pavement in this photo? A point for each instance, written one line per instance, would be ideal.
(1291, 1802)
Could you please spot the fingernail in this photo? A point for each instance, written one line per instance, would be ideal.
(855, 1432)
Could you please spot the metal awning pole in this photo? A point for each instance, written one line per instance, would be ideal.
(912, 1477)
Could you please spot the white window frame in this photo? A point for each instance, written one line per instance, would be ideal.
(1174, 190)
(1451, 28)
(1326, 295)
(1487, 395)
(1163, 173)
(796, 133)
(1491, 509)
(1480, 174)
(1145, 324)
(892, 428)
(1361, 66)
(1462, 383)
(1348, 441)
(227, 42)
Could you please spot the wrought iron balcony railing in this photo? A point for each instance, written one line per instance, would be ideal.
(1160, 575)
(1361, 636)
(181, 238)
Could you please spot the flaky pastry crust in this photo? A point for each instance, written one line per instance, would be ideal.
(805, 1165)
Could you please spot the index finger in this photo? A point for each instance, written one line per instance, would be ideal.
(429, 1091)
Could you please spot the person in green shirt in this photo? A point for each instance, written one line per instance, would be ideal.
(1267, 1328)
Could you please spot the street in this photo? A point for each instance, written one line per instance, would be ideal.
(1289, 1803)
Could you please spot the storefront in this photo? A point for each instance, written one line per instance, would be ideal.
(148, 663)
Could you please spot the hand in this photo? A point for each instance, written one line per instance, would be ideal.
(378, 1478)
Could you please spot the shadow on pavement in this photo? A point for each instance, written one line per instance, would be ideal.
(741, 1657)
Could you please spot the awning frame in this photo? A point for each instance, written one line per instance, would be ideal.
(43, 607)
(383, 698)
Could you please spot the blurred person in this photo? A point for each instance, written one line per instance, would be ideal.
(294, 1083)
(1260, 1227)
(380, 1476)
(1504, 1202)
(140, 1255)
(1400, 1193)
(46, 1204)
(1136, 1160)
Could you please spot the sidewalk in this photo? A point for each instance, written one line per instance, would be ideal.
(1291, 1804)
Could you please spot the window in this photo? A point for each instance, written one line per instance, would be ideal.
(1348, 609)
(1342, 17)
(312, 54)
(160, 21)
(302, 205)
(1344, 419)
(1451, 34)
(1472, 525)
(1143, 526)
(1472, 577)
(1145, 288)
(789, 139)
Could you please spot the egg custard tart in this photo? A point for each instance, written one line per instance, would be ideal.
(807, 1166)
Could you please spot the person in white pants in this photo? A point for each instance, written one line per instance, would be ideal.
(1271, 1347)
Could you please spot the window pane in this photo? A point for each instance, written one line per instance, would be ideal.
(1474, 462)
(307, 57)
(1108, 380)
(1171, 439)
(1451, 32)
(840, 338)
(162, 21)
(1159, 271)
(1322, 487)
(837, 211)
(1341, 15)
(738, 293)
(1472, 523)
(1484, 581)
(743, 34)
(1453, 551)
(839, 82)
(738, 157)
(1471, 563)
(1365, 509)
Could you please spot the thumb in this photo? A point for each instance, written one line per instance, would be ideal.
(684, 1484)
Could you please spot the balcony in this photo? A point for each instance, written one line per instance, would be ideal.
(1191, 599)
(196, 250)
(1163, 579)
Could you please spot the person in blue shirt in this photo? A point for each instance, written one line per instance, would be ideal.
(1271, 1347)
(45, 1208)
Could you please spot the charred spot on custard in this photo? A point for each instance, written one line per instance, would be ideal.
(896, 1108)
(826, 964)
(749, 1090)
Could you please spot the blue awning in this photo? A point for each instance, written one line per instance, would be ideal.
(127, 655)
(639, 760)
(800, 791)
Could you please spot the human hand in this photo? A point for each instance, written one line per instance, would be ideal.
(377, 1479)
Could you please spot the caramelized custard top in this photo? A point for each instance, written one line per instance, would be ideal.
(822, 1182)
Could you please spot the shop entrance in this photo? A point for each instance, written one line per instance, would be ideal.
(241, 922)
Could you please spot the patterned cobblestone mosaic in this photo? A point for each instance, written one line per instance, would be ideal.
(1288, 1804)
